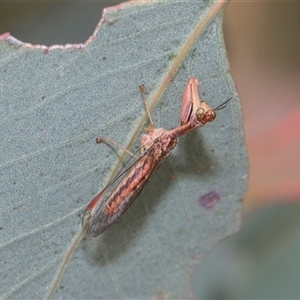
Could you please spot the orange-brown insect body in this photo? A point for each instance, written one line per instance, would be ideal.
(160, 148)
(157, 144)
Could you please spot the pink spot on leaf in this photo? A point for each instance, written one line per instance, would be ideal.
(210, 199)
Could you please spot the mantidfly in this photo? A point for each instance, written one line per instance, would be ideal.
(112, 202)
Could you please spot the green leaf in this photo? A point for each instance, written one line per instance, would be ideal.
(55, 101)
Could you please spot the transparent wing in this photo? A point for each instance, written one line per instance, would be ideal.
(119, 194)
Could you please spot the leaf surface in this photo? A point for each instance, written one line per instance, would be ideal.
(55, 101)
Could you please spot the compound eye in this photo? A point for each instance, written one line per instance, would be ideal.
(200, 113)
(210, 116)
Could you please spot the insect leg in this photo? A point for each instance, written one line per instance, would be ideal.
(151, 127)
(190, 101)
(108, 141)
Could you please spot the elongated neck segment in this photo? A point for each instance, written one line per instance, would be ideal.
(181, 130)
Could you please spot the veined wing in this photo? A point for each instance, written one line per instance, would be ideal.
(110, 204)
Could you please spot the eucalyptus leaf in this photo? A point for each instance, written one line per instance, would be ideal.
(56, 100)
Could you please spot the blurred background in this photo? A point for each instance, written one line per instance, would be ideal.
(263, 44)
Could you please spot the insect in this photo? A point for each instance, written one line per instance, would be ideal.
(156, 144)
